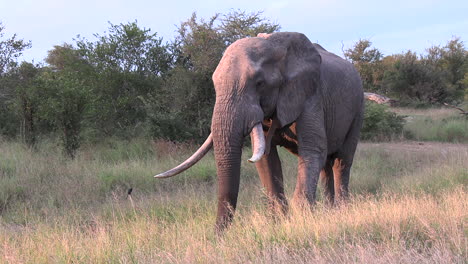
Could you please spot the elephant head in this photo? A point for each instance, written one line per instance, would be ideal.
(266, 77)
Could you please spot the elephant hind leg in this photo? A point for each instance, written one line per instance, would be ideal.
(341, 178)
(271, 175)
(344, 161)
(326, 177)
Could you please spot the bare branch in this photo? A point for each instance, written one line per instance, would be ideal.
(463, 112)
(380, 99)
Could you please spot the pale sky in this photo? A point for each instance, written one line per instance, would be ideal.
(392, 26)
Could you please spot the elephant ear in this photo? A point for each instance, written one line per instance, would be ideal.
(301, 74)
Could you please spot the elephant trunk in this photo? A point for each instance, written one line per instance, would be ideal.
(228, 137)
(230, 124)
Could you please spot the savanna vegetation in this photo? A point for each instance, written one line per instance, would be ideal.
(408, 205)
(128, 82)
(82, 133)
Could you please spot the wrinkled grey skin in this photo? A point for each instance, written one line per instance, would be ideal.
(315, 98)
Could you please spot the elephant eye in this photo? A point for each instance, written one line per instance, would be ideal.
(260, 83)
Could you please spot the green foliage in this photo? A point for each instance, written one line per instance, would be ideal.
(368, 61)
(9, 120)
(27, 101)
(10, 50)
(126, 82)
(239, 24)
(438, 76)
(130, 62)
(127, 48)
(451, 61)
(414, 81)
(450, 129)
(380, 123)
(67, 96)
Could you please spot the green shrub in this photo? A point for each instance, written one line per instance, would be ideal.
(380, 123)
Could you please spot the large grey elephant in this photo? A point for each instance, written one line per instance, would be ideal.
(283, 91)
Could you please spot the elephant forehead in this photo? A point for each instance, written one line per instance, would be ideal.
(235, 67)
(253, 49)
(243, 59)
(234, 76)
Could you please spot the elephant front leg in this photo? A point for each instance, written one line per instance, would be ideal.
(312, 146)
(271, 175)
(328, 181)
(309, 168)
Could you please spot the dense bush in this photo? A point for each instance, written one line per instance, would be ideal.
(438, 75)
(380, 123)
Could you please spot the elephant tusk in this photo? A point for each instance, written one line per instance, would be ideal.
(258, 143)
(190, 161)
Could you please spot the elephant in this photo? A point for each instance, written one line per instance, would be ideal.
(284, 91)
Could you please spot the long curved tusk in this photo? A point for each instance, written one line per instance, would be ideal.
(190, 161)
(258, 143)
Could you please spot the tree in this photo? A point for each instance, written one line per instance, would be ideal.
(127, 48)
(239, 24)
(454, 58)
(413, 81)
(66, 98)
(27, 101)
(129, 61)
(451, 61)
(19, 115)
(437, 76)
(10, 49)
(368, 61)
(66, 87)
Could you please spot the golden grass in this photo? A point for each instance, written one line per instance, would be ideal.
(409, 205)
(391, 229)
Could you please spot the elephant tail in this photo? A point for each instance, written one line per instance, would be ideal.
(190, 161)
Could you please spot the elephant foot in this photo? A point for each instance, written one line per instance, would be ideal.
(303, 202)
(278, 208)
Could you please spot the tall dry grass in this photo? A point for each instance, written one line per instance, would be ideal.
(391, 229)
(409, 205)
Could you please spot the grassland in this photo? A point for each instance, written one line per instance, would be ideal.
(434, 124)
(409, 205)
